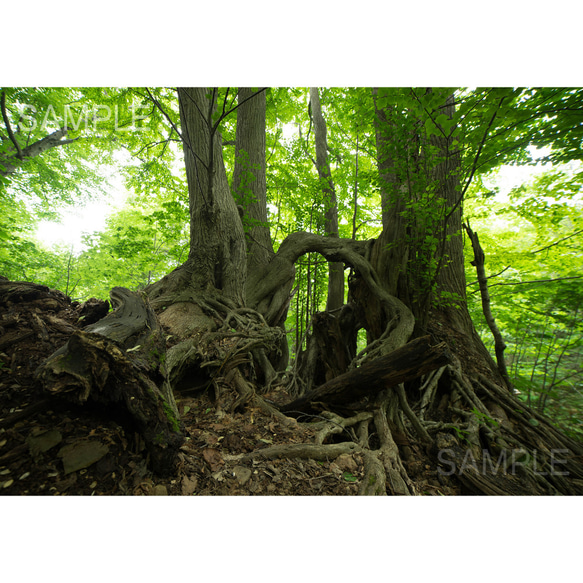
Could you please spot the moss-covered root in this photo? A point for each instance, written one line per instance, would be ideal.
(374, 481)
(383, 469)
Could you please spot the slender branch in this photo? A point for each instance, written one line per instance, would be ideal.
(490, 276)
(19, 153)
(431, 116)
(209, 117)
(476, 158)
(305, 145)
(163, 111)
(278, 133)
(354, 227)
(559, 241)
(458, 202)
(193, 101)
(174, 127)
(211, 153)
(224, 115)
(225, 100)
(499, 344)
(154, 144)
(536, 281)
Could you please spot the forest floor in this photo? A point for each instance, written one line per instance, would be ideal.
(49, 446)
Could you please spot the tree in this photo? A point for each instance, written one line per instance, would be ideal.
(249, 186)
(216, 264)
(335, 270)
(407, 289)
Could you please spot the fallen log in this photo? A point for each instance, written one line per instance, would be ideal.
(119, 362)
(412, 360)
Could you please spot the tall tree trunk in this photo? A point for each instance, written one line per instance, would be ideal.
(217, 242)
(249, 186)
(450, 277)
(249, 190)
(335, 270)
(216, 263)
(391, 252)
(419, 254)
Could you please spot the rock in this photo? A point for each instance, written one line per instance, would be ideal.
(160, 490)
(346, 463)
(242, 474)
(82, 454)
(39, 442)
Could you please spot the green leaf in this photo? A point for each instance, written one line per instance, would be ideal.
(348, 477)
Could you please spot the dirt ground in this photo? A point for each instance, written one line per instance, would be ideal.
(50, 447)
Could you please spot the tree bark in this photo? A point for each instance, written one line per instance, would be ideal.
(249, 184)
(335, 270)
(451, 277)
(217, 259)
(391, 251)
(249, 190)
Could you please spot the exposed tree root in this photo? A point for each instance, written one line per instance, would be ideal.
(247, 395)
(406, 363)
(425, 426)
(335, 425)
(305, 451)
(383, 468)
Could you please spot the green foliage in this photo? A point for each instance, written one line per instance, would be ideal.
(532, 239)
(66, 173)
(485, 419)
(140, 244)
(533, 253)
(348, 477)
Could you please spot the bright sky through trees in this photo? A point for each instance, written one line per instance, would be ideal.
(82, 219)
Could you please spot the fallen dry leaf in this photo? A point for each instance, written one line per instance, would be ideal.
(188, 485)
(213, 459)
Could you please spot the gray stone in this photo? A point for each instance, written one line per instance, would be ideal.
(242, 474)
(160, 490)
(346, 463)
(82, 454)
(42, 442)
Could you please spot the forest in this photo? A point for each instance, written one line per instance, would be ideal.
(302, 291)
